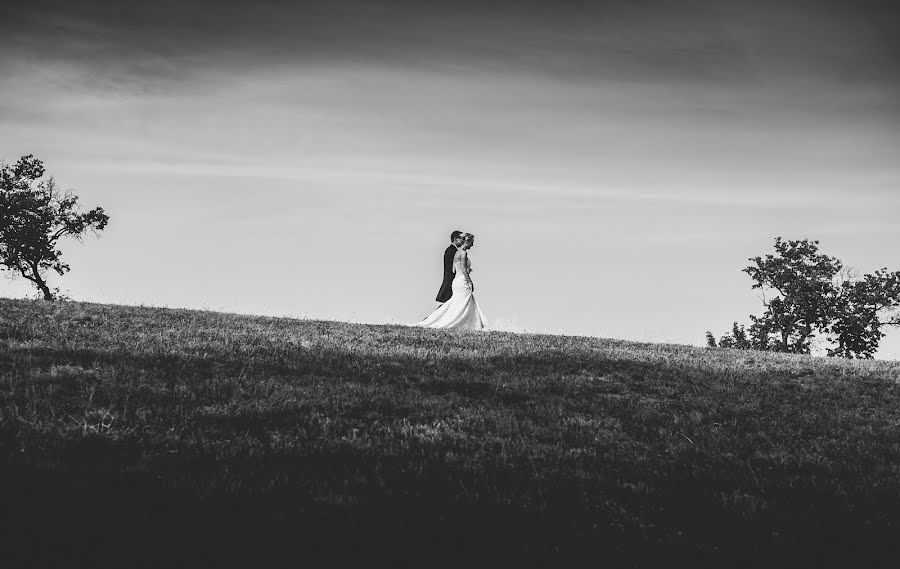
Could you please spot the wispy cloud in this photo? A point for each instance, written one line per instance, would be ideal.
(696, 40)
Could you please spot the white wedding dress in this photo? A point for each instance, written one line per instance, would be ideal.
(461, 312)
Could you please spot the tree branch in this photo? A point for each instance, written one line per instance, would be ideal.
(24, 274)
(53, 238)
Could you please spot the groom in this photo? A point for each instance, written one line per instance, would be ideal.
(456, 242)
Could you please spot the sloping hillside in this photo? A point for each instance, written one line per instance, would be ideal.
(134, 436)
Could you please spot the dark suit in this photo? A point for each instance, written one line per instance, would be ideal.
(446, 292)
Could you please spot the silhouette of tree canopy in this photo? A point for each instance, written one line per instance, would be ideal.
(34, 216)
(862, 309)
(806, 293)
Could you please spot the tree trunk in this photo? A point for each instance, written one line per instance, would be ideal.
(39, 282)
(47, 294)
(798, 343)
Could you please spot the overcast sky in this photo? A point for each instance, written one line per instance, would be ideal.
(618, 161)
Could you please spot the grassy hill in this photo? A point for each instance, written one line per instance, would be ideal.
(134, 436)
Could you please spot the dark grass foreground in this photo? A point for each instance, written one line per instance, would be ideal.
(134, 437)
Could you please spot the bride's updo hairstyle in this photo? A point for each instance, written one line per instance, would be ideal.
(469, 238)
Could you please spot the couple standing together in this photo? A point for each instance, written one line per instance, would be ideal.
(459, 310)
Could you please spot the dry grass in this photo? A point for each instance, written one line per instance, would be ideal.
(135, 436)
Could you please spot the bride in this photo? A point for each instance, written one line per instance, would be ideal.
(461, 312)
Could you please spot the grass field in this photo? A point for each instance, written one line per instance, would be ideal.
(139, 437)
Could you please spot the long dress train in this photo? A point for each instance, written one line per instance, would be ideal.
(461, 312)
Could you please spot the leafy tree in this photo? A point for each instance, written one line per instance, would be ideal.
(806, 293)
(34, 216)
(801, 280)
(862, 309)
(737, 339)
